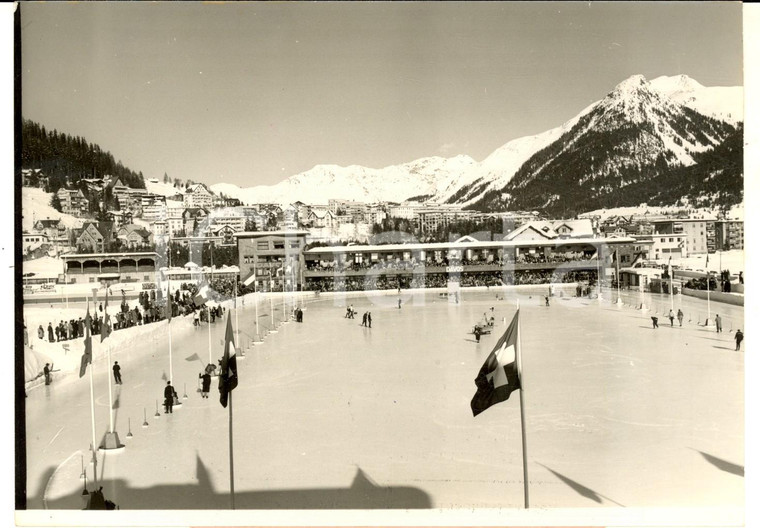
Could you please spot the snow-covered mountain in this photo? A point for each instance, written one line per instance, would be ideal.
(721, 102)
(679, 116)
(616, 150)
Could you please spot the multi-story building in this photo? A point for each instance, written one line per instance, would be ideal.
(271, 260)
(432, 216)
(198, 195)
(94, 236)
(234, 219)
(667, 245)
(407, 210)
(153, 207)
(729, 234)
(121, 267)
(73, 201)
(694, 231)
(194, 220)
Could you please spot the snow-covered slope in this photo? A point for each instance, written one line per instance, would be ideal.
(160, 188)
(722, 102)
(463, 180)
(35, 205)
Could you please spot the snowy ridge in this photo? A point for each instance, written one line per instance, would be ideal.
(721, 102)
(462, 180)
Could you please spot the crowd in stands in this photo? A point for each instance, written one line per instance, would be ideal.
(413, 263)
(440, 280)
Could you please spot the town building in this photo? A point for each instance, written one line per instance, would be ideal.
(271, 260)
(694, 231)
(118, 267)
(198, 196)
(94, 236)
(134, 236)
(73, 202)
(193, 220)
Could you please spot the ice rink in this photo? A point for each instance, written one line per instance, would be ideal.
(329, 414)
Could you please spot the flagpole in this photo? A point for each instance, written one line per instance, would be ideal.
(92, 403)
(707, 261)
(670, 274)
(169, 307)
(232, 465)
(617, 273)
(522, 410)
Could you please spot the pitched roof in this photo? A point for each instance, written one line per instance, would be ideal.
(542, 228)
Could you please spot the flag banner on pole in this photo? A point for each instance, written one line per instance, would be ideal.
(202, 296)
(87, 356)
(193, 357)
(250, 278)
(498, 376)
(105, 329)
(228, 379)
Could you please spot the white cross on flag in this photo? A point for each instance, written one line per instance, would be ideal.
(498, 376)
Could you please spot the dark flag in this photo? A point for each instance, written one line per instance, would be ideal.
(498, 376)
(228, 379)
(105, 328)
(87, 356)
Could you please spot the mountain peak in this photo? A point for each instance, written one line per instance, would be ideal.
(676, 84)
(632, 83)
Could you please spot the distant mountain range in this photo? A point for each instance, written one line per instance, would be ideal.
(616, 150)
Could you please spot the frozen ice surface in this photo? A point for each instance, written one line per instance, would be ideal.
(329, 414)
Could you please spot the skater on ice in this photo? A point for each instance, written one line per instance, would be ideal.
(654, 322)
(718, 323)
(671, 316)
(739, 338)
(46, 371)
(117, 372)
(680, 317)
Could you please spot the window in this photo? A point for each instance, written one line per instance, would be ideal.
(146, 277)
(670, 239)
(279, 245)
(294, 245)
(262, 246)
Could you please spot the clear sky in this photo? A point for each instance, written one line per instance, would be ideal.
(253, 93)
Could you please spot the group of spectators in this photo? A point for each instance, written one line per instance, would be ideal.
(413, 263)
(440, 280)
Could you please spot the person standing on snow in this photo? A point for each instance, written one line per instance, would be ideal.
(169, 395)
(205, 384)
(680, 317)
(739, 338)
(671, 316)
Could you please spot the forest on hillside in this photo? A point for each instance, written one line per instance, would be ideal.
(66, 159)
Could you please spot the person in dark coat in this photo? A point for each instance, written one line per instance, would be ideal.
(369, 319)
(169, 395)
(46, 371)
(41, 332)
(476, 331)
(57, 334)
(117, 372)
(205, 384)
(364, 319)
(680, 317)
(654, 323)
(739, 338)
